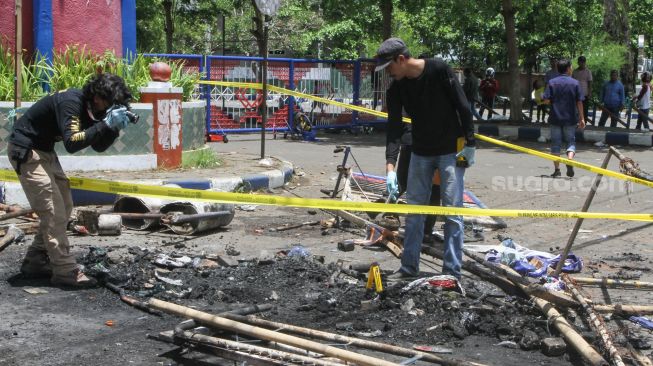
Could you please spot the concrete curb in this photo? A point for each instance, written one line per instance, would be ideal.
(11, 193)
(533, 132)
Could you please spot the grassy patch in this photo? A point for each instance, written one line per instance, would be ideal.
(202, 158)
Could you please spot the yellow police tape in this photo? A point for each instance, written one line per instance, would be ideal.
(98, 185)
(297, 94)
(589, 167)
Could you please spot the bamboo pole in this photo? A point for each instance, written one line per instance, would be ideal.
(579, 222)
(625, 309)
(607, 282)
(376, 346)
(568, 332)
(234, 346)
(237, 327)
(532, 289)
(595, 320)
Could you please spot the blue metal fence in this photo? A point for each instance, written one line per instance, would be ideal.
(235, 110)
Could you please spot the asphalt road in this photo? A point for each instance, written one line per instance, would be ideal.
(68, 327)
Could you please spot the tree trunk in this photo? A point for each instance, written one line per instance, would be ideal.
(169, 26)
(615, 23)
(386, 16)
(508, 12)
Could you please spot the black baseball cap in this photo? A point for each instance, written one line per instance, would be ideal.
(389, 49)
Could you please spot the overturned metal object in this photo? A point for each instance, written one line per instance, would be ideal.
(139, 205)
(187, 218)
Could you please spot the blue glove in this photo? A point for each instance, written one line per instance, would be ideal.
(392, 185)
(468, 153)
(116, 118)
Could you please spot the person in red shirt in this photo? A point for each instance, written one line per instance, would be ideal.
(489, 88)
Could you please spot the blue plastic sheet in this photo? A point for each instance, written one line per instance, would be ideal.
(644, 322)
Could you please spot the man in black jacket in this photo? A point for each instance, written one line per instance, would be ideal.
(431, 95)
(79, 118)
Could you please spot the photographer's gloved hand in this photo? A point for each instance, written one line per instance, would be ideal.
(117, 118)
(468, 152)
(392, 185)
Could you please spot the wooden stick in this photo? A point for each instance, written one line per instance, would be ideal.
(17, 213)
(625, 309)
(389, 241)
(638, 356)
(295, 226)
(595, 320)
(388, 348)
(607, 282)
(234, 326)
(579, 221)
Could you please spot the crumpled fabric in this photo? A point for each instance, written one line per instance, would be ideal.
(518, 258)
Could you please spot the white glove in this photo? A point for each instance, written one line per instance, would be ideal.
(392, 185)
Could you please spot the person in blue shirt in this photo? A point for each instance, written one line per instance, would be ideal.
(612, 98)
(566, 114)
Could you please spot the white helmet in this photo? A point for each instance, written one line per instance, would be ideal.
(489, 72)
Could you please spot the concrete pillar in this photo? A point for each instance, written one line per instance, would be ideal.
(167, 117)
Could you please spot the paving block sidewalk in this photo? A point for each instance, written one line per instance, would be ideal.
(533, 132)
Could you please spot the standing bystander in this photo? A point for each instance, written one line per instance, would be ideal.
(489, 89)
(566, 114)
(538, 92)
(584, 77)
(612, 99)
(553, 71)
(431, 95)
(643, 100)
(470, 87)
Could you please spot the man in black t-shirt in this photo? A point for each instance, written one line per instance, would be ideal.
(430, 94)
(92, 117)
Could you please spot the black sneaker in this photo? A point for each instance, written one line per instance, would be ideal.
(570, 171)
(556, 173)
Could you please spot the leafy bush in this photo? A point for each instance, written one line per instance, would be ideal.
(31, 85)
(72, 67)
(603, 56)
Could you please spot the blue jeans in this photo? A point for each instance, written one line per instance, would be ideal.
(420, 177)
(560, 132)
(474, 111)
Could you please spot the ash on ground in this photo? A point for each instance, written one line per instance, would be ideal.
(312, 294)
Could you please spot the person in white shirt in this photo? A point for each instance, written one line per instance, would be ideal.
(643, 101)
(584, 77)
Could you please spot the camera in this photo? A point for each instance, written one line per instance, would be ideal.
(133, 117)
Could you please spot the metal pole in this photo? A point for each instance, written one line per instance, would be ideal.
(264, 104)
(18, 56)
(579, 222)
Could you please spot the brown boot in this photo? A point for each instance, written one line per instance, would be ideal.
(74, 278)
(36, 264)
